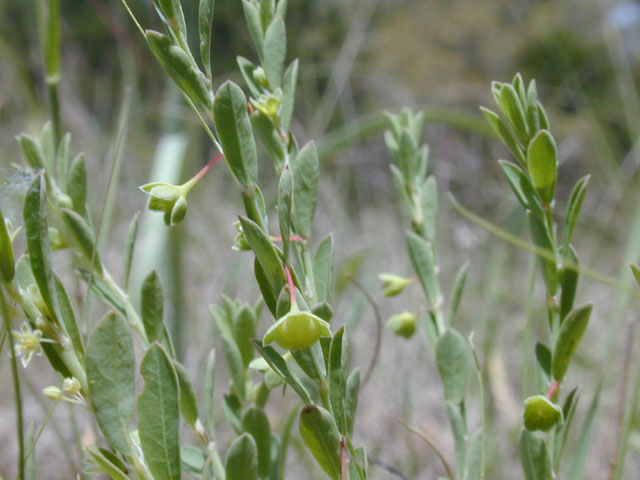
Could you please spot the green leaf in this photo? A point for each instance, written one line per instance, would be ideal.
(458, 289)
(274, 52)
(254, 24)
(232, 409)
(573, 211)
(337, 376)
(542, 162)
(475, 458)
(543, 367)
(459, 430)
(244, 329)
(234, 129)
(311, 360)
(267, 8)
(543, 240)
(533, 118)
(285, 193)
(193, 459)
(320, 434)
(37, 233)
(129, 245)
(512, 108)
(521, 186)
(83, 237)
(580, 455)
(266, 289)
(176, 62)
(288, 92)
(63, 160)
(151, 306)
(7, 261)
(269, 136)
(205, 24)
(571, 331)
(158, 415)
(48, 146)
(107, 464)
(68, 317)
(323, 269)
(636, 272)
(323, 310)
(208, 388)
(31, 150)
(266, 253)
(256, 423)
(77, 187)
(505, 133)
(234, 365)
(304, 168)
(562, 433)
(424, 264)
(453, 359)
(242, 459)
(246, 69)
(279, 365)
(170, 12)
(103, 290)
(351, 399)
(534, 456)
(429, 204)
(188, 402)
(110, 373)
(568, 282)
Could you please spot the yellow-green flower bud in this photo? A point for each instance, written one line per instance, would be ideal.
(71, 386)
(541, 414)
(56, 239)
(240, 241)
(269, 104)
(52, 393)
(260, 77)
(403, 324)
(393, 284)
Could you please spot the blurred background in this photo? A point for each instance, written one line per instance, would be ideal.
(357, 58)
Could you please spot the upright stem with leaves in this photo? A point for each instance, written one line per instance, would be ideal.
(454, 355)
(524, 129)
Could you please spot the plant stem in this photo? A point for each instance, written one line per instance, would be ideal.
(191, 183)
(16, 387)
(378, 341)
(39, 432)
(308, 267)
(54, 105)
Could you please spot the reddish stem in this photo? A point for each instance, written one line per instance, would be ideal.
(292, 287)
(208, 166)
(343, 458)
(293, 238)
(552, 390)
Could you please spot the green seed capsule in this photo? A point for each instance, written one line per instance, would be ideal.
(297, 330)
(403, 324)
(541, 414)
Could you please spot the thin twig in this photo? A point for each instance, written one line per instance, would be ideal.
(376, 312)
(16, 387)
(541, 252)
(621, 399)
(388, 468)
(429, 441)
